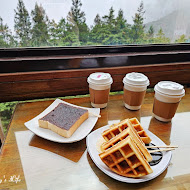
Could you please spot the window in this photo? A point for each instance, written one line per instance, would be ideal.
(39, 23)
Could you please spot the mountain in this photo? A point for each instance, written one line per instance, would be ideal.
(173, 25)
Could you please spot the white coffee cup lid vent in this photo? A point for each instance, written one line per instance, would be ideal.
(100, 78)
(137, 79)
(170, 88)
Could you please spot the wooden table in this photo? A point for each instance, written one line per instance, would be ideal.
(30, 162)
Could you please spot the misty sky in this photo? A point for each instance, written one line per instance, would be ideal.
(55, 9)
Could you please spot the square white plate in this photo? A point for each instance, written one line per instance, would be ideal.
(83, 130)
(91, 142)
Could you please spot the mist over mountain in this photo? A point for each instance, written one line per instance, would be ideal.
(173, 25)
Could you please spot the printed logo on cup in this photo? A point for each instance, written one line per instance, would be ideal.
(99, 78)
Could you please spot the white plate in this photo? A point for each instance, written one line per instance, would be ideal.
(92, 139)
(78, 135)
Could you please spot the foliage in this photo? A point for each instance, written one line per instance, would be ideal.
(6, 110)
(6, 38)
(137, 30)
(77, 21)
(160, 37)
(181, 39)
(36, 29)
(22, 25)
(39, 32)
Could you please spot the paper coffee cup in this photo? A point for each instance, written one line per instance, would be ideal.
(166, 100)
(99, 88)
(135, 85)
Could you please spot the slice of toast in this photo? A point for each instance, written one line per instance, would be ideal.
(64, 119)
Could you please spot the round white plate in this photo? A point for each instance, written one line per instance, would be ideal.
(91, 141)
(83, 130)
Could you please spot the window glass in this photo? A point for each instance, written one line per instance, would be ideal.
(42, 23)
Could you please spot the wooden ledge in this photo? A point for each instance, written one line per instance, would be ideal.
(47, 84)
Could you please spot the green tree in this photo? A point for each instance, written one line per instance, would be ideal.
(110, 18)
(151, 32)
(76, 19)
(40, 35)
(110, 30)
(52, 28)
(98, 31)
(149, 36)
(6, 37)
(97, 20)
(72, 32)
(137, 30)
(161, 38)
(57, 32)
(120, 20)
(22, 24)
(181, 39)
(117, 27)
(122, 28)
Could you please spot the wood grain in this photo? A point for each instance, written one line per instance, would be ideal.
(31, 85)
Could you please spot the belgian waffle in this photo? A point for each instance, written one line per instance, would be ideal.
(130, 131)
(126, 159)
(138, 127)
(115, 129)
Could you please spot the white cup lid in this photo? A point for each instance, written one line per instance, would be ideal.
(170, 88)
(100, 78)
(137, 79)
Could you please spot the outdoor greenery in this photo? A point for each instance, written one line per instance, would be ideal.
(6, 110)
(36, 29)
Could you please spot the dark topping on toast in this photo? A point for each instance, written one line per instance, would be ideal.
(64, 115)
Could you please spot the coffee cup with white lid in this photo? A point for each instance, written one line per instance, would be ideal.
(135, 85)
(99, 88)
(168, 94)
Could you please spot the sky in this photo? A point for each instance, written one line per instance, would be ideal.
(55, 9)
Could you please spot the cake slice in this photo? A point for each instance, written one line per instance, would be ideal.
(126, 159)
(64, 119)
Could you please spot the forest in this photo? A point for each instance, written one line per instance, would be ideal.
(35, 29)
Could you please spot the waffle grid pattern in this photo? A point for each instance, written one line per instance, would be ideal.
(124, 134)
(124, 159)
(116, 129)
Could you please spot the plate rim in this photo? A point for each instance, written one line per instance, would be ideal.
(52, 106)
(123, 178)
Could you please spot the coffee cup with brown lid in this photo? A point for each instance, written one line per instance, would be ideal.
(135, 85)
(166, 100)
(99, 88)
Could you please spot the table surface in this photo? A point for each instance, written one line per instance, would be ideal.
(31, 162)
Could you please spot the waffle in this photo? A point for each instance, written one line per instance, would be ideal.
(138, 127)
(115, 129)
(126, 159)
(130, 131)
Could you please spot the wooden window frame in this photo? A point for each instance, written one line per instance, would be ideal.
(29, 73)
